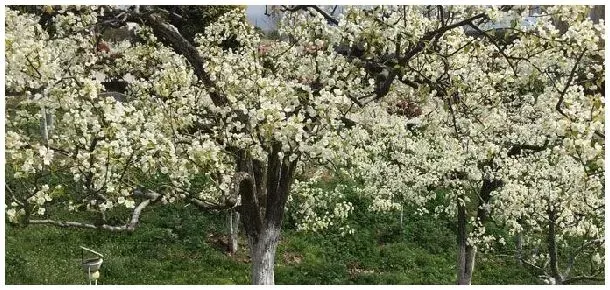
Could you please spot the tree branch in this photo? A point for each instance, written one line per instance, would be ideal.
(181, 45)
(326, 16)
(129, 227)
(567, 85)
(432, 34)
(206, 205)
(517, 148)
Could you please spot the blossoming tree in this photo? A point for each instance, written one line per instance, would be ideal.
(400, 98)
(224, 111)
(489, 115)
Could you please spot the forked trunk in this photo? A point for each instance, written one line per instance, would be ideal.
(263, 195)
(262, 251)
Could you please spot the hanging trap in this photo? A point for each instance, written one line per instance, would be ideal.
(91, 266)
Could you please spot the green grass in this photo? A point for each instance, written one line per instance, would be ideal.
(167, 249)
(173, 246)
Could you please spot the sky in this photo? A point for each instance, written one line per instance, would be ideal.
(256, 16)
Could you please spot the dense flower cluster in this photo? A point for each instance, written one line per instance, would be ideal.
(318, 208)
(528, 113)
(521, 105)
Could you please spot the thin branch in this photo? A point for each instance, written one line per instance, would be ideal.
(206, 205)
(539, 269)
(70, 224)
(64, 224)
(326, 16)
(334, 10)
(567, 85)
(129, 227)
(12, 194)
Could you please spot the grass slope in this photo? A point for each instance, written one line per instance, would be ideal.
(178, 245)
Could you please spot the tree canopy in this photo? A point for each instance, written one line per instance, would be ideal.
(499, 117)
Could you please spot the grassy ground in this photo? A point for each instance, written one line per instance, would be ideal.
(177, 245)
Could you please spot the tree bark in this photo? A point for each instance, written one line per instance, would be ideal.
(471, 253)
(264, 195)
(597, 13)
(462, 279)
(518, 248)
(46, 124)
(262, 251)
(233, 224)
(552, 247)
(467, 253)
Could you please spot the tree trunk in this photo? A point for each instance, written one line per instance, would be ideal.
(518, 248)
(552, 247)
(462, 278)
(466, 253)
(597, 13)
(233, 224)
(46, 122)
(264, 195)
(471, 253)
(262, 251)
(401, 216)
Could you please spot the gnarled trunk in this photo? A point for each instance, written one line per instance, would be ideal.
(263, 195)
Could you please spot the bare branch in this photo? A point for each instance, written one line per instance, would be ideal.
(576, 253)
(537, 268)
(12, 194)
(129, 227)
(326, 16)
(517, 148)
(206, 205)
(74, 225)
